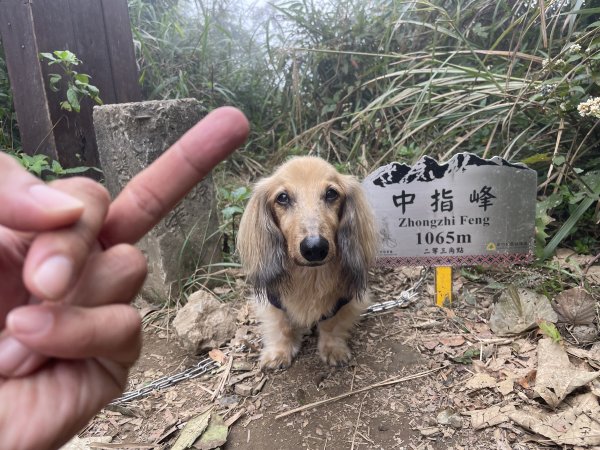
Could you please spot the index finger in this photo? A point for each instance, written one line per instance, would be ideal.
(151, 194)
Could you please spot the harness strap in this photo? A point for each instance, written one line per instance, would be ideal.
(276, 302)
(339, 305)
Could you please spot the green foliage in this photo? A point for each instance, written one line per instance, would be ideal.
(232, 206)
(77, 85)
(550, 330)
(43, 167)
(438, 77)
(573, 204)
(9, 133)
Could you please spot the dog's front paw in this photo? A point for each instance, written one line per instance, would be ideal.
(276, 358)
(334, 351)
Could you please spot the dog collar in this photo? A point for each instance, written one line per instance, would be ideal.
(276, 302)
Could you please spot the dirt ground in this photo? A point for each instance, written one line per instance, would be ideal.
(429, 412)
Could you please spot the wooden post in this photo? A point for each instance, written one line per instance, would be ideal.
(99, 33)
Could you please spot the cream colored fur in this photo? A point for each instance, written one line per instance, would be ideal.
(269, 244)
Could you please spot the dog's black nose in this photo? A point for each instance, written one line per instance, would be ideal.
(314, 248)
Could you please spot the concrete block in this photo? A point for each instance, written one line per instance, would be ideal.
(130, 137)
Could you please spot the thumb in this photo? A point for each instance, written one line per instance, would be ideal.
(30, 205)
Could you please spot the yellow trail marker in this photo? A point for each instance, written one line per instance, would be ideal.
(443, 285)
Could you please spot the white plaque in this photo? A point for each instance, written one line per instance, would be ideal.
(467, 211)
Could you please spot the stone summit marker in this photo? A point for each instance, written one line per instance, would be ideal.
(464, 212)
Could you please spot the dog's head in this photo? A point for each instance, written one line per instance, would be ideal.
(307, 214)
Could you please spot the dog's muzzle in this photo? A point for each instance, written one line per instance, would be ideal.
(314, 248)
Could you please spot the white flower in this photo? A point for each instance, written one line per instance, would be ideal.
(545, 63)
(574, 48)
(590, 107)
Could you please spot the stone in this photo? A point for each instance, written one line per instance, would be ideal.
(243, 389)
(204, 323)
(130, 137)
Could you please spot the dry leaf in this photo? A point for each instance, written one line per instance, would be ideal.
(480, 381)
(575, 306)
(430, 344)
(556, 376)
(577, 422)
(78, 443)
(215, 435)
(194, 428)
(519, 310)
(452, 341)
(505, 387)
(217, 355)
(593, 274)
(491, 416)
(528, 379)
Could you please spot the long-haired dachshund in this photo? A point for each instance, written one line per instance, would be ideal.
(306, 241)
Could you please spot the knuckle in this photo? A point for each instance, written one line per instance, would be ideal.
(146, 200)
(86, 187)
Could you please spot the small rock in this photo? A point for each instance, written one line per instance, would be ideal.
(243, 389)
(204, 323)
(242, 366)
(228, 400)
(585, 333)
(429, 431)
(450, 418)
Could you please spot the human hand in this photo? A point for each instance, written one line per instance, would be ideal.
(68, 270)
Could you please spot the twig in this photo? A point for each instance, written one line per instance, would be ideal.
(353, 375)
(357, 420)
(388, 382)
(207, 390)
(366, 438)
(224, 379)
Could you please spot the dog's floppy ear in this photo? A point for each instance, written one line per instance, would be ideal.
(261, 244)
(357, 238)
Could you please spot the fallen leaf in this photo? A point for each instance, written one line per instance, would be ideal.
(505, 387)
(467, 357)
(452, 341)
(217, 355)
(519, 310)
(215, 435)
(190, 432)
(556, 376)
(593, 274)
(528, 379)
(591, 356)
(491, 416)
(575, 306)
(430, 344)
(78, 443)
(480, 381)
(577, 422)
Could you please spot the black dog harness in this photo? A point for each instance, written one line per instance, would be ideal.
(276, 302)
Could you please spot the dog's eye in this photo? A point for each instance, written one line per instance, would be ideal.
(331, 195)
(283, 199)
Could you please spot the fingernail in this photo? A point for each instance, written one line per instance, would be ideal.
(53, 276)
(29, 320)
(12, 355)
(53, 200)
